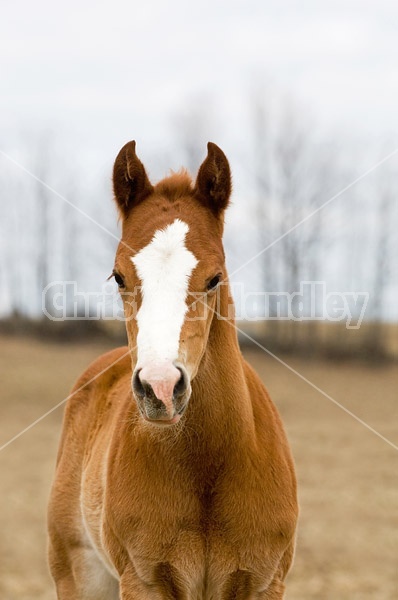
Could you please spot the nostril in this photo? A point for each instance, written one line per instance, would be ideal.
(182, 384)
(137, 384)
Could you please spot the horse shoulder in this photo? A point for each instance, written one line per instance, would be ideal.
(272, 455)
(90, 408)
(90, 391)
(83, 410)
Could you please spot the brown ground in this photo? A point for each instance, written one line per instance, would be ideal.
(348, 536)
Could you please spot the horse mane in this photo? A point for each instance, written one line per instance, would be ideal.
(177, 185)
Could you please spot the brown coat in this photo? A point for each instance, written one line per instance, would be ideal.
(205, 509)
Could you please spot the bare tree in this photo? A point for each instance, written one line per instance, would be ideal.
(294, 173)
(43, 155)
(264, 212)
(386, 202)
(12, 243)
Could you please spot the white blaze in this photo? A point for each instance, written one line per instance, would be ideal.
(164, 267)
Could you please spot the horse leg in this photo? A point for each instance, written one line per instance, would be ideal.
(166, 586)
(80, 575)
(276, 589)
(61, 571)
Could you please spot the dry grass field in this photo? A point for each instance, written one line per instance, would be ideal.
(348, 535)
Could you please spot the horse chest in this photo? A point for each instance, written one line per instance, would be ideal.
(190, 565)
(200, 546)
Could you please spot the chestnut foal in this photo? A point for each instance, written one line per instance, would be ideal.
(174, 477)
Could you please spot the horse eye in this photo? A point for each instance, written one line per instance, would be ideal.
(119, 280)
(213, 283)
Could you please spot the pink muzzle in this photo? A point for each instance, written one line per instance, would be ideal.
(162, 391)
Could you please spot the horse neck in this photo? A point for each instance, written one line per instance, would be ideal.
(220, 407)
(218, 424)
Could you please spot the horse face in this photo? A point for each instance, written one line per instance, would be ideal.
(169, 265)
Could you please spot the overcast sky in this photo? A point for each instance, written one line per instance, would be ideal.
(97, 74)
(104, 72)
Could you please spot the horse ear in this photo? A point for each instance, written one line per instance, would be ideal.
(213, 184)
(130, 181)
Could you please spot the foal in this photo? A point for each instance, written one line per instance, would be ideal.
(174, 477)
